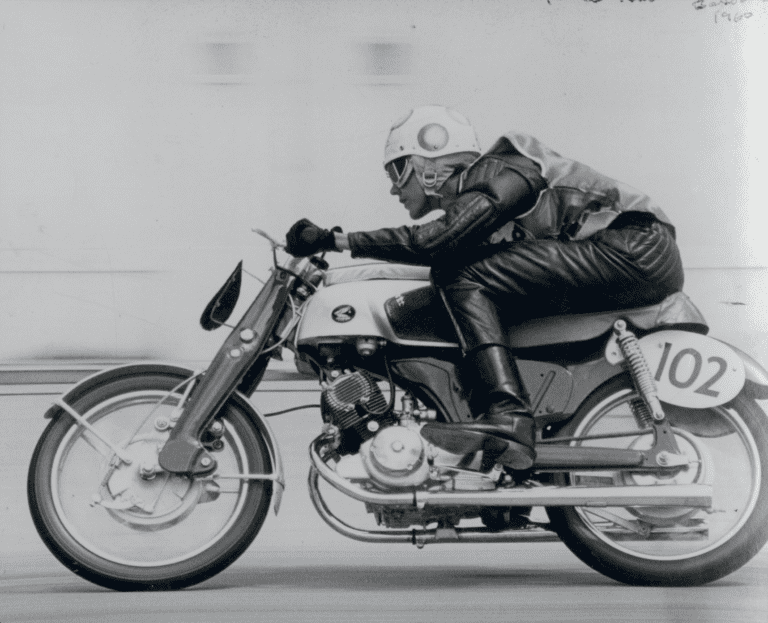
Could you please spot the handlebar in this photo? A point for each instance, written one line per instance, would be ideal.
(297, 266)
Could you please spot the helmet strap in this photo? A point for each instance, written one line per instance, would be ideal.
(429, 175)
(433, 172)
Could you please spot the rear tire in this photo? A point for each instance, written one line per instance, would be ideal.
(683, 547)
(180, 531)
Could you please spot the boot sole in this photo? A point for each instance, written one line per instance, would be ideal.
(454, 441)
(510, 453)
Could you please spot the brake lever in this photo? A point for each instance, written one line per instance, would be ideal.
(275, 244)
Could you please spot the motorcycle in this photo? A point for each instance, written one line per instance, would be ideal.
(651, 467)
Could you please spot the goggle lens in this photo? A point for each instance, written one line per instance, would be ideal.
(399, 170)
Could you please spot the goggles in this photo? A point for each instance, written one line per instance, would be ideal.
(399, 170)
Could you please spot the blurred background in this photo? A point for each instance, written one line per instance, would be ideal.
(140, 141)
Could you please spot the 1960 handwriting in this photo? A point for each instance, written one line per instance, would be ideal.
(729, 11)
(723, 11)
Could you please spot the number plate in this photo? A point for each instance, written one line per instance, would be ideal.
(692, 370)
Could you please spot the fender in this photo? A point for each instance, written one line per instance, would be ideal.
(140, 369)
(756, 385)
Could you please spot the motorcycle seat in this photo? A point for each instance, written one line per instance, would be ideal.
(677, 311)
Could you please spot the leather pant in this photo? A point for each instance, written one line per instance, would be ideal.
(633, 263)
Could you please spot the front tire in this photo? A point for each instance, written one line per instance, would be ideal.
(114, 525)
(672, 546)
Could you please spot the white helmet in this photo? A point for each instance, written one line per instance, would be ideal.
(431, 132)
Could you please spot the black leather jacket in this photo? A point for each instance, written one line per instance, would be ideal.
(498, 188)
(519, 190)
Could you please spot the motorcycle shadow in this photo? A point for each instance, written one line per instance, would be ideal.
(363, 578)
(414, 579)
(368, 577)
(387, 578)
(284, 571)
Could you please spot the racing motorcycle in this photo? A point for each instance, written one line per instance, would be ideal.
(652, 462)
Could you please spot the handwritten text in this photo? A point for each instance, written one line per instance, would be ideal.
(728, 11)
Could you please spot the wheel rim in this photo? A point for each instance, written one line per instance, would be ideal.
(119, 515)
(729, 463)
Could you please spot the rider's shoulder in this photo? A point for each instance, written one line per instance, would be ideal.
(501, 157)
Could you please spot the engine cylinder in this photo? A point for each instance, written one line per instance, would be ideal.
(355, 404)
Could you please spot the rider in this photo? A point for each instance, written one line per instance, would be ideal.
(525, 233)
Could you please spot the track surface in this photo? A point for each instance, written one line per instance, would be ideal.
(298, 569)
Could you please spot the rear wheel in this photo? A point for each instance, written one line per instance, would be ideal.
(672, 546)
(133, 526)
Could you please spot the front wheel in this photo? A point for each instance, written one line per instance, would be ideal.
(672, 546)
(131, 526)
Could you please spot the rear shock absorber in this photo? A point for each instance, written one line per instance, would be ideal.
(649, 409)
(641, 412)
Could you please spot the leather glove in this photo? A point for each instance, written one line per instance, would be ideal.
(305, 238)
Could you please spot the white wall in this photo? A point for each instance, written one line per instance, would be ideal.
(133, 161)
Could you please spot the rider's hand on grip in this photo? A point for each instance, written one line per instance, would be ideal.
(305, 238)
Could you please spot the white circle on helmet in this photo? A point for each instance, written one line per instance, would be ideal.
(430, 131)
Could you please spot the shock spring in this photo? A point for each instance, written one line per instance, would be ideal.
(641, 374)
(641, 412)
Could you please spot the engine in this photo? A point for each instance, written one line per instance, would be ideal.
(354, 404)
(383, 447)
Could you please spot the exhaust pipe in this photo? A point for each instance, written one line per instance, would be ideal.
(423, 536)
(693, 496)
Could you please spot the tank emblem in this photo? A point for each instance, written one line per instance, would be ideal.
(343, 313)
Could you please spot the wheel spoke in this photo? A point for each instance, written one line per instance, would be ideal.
(632, 526)
(119, 452)
(105, 451)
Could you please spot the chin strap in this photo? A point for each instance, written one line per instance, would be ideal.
(429, 177)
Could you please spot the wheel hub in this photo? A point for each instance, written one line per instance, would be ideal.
(143, 496)
(699, 471)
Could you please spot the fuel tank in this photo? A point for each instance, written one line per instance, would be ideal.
(403, 311)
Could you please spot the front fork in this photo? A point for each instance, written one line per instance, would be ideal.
(183, 453)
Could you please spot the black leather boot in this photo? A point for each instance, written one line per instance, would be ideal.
(506, 430)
